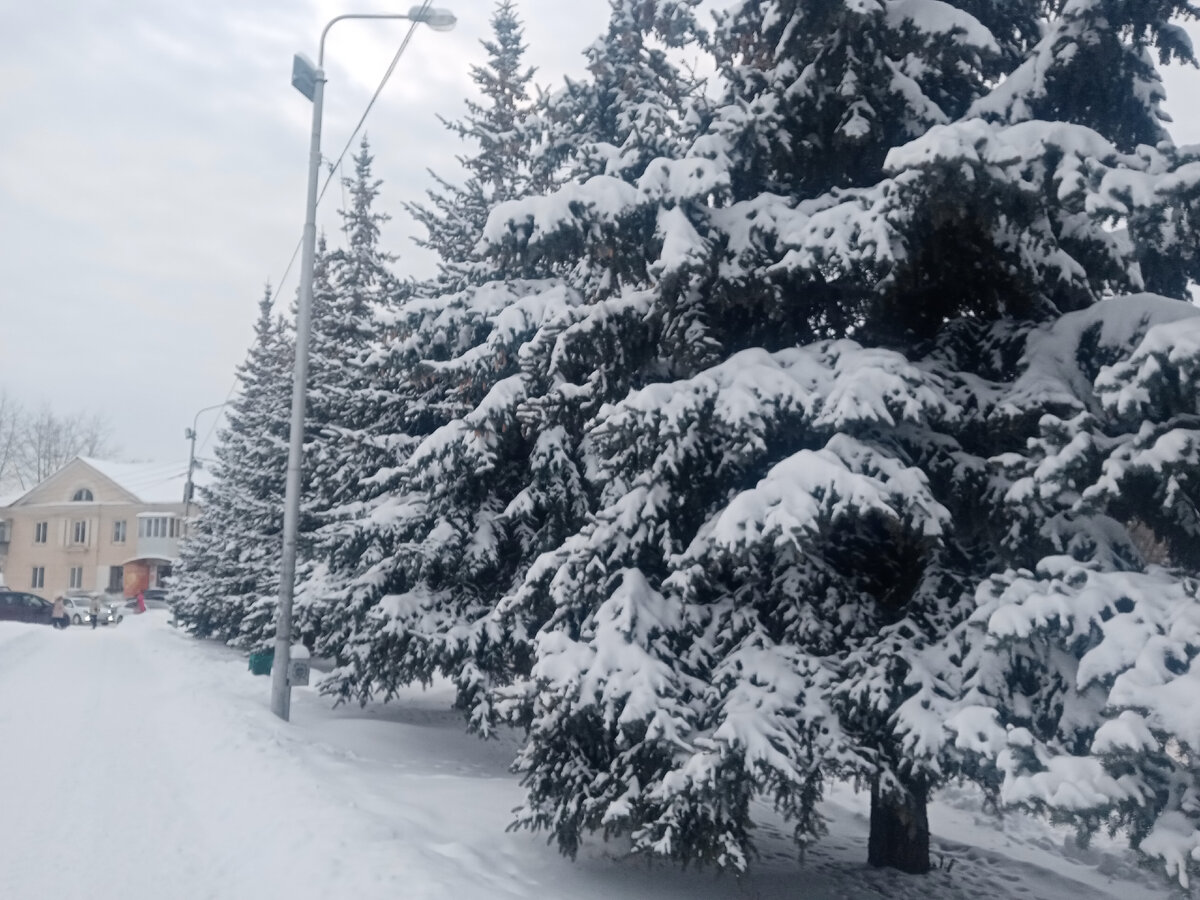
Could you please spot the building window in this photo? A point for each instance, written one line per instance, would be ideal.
(79, 532)
(40, 530)
(156, 527)
(83, 495)
(174, 528)
(116, 579)
(39, 577)
(119, 532)
(76, 576)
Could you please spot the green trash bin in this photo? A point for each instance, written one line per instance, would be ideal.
(261, 661)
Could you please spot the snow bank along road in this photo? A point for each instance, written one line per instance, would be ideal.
(138, 764)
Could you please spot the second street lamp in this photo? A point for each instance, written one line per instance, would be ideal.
(310, 81)
(189, 487)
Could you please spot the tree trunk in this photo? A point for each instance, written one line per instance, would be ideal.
(899, 830)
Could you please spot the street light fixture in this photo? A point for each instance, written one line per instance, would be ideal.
(310, 81)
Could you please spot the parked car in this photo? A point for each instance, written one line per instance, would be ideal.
(78, 606)
(156, 598)
(110, 615)
(18, 606)
(77, 610)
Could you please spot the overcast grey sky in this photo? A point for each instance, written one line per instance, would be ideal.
(152, 175)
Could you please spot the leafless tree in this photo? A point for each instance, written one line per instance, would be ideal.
(34, 445)
(11, 419)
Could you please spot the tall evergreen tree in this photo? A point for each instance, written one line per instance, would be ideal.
(228, 578)
(346, 416)
(484, 492)
(498, 169)
(354, 292)
(437, 355)
(786, 531)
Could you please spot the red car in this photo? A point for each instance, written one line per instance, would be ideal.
(16, 606)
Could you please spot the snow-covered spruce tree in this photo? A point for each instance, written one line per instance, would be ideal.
(485, 492)
(433, 550)
(258, 621)
(714, 219)
(499, 488)
(498, 169)
(786, 534)
(366, 559)
(1080, 657)
(346, 417)
(1075, 645)
(435, 357)
(229, 562)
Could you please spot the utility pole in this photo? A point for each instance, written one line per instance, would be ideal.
(190, 434)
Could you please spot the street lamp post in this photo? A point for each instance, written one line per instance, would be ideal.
(190, 434)
(310, 81)
(188, 487)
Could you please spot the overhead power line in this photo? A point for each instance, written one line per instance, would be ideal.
(333, 169)
(379, 90)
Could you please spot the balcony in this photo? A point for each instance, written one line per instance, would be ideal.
(158, 548)
(158, 536)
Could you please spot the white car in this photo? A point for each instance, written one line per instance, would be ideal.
(109, 614)
(77, 610)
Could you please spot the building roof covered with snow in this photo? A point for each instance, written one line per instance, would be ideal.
(138, 482)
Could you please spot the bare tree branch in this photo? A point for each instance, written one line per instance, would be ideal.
(11, 420)
(35, 445)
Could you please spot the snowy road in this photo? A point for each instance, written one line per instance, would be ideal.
(128, 769)
(123, 774)
(138, 764)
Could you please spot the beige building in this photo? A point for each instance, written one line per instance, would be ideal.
(94, 526)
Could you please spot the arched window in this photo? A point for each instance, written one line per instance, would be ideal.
(83, 495)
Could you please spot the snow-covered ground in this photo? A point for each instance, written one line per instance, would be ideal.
(136, 763)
